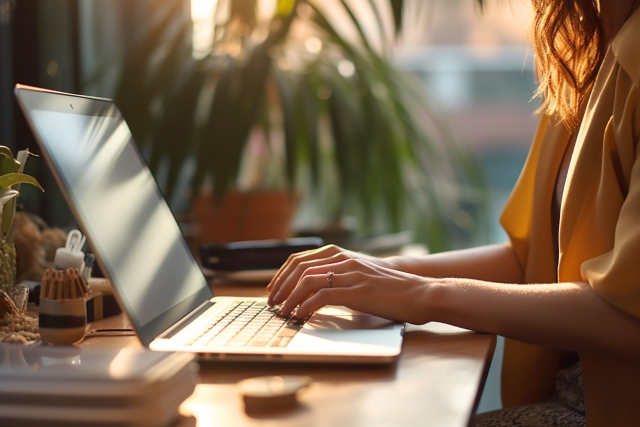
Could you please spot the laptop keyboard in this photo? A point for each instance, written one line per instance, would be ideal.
(248, 323)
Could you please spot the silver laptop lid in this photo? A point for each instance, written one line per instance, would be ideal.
(119, 206)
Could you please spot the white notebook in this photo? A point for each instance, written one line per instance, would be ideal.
(50, 385)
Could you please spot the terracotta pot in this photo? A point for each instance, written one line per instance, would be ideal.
(252, 215)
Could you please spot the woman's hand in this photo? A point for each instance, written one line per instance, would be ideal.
(360, 285)
(290, 273)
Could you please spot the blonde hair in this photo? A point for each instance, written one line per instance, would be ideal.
(568, 43)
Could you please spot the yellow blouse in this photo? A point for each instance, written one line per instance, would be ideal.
(599, 235)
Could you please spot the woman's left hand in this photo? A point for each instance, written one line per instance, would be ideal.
(360, 285)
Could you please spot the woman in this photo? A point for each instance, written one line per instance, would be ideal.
(573, 222)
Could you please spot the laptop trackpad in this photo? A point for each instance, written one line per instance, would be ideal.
(323, 322)
(345, 328)
(340, 318)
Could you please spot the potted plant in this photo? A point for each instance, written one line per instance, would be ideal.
(348, 124)
(11, 176)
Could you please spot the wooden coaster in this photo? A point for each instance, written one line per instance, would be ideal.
(272, 392)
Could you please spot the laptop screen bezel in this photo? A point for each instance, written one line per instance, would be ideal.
(32, 98)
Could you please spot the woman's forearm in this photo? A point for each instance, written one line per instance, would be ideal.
(492, 263)
(568, 316)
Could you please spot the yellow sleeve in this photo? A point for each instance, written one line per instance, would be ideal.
(526, 217)
(615, 275)
(516, 216)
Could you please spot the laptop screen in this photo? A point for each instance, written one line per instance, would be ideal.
(119, 206)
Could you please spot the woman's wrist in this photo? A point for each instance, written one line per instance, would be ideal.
(434, 299)
(398, 263)
(423, 301)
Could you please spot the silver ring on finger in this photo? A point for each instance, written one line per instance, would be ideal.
(329, 278)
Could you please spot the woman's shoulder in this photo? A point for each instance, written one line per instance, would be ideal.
(626, 48)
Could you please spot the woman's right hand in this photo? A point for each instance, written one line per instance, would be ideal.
(287, 277)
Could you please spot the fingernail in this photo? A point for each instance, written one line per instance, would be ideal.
(276, 298)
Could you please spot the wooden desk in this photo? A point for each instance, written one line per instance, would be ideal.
(435, 382)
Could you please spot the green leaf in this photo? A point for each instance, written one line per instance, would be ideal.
(380, 23)
(397, 7)
(11, 179)
(356, 23)
(234, 111)
(8, 164)
(144, 80)
(285, 87)
(176, 128)
(6, 181)
(308, 125)
(8, 206)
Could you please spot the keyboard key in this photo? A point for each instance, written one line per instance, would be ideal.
(247, 323)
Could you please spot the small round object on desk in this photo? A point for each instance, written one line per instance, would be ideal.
(272, 392)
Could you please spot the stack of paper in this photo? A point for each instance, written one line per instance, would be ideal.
(44, 385)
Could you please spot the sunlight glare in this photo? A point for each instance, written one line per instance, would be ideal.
(202, 15)
(346, 68)
(313, 44)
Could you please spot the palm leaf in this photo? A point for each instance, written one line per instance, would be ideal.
(397, 7)
(286, 87)
(171, 142)
(132, 95)
(307, 130)
(379, 22)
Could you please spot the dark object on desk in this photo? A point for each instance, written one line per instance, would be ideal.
(34, 295)
(255, 254)
(100, 306)
(101, 302)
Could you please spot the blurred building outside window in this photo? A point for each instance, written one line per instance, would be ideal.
(478, 68)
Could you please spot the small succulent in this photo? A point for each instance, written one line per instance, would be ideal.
(11, 177)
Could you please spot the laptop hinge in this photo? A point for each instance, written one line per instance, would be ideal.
(186, 320)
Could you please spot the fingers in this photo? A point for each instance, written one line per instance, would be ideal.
(297, 258)
(290, 281)
(284, 266)
(309, 285)
(326, 296)
(290, 273)
(315, 280)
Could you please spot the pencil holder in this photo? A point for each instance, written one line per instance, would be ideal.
(63, 322)
(63, 309)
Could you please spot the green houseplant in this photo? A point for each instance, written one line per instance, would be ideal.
(348, 119)
(10, 176)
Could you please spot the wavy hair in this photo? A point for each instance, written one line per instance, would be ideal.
(568, 43)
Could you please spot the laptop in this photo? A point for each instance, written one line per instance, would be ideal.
(157, 281)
